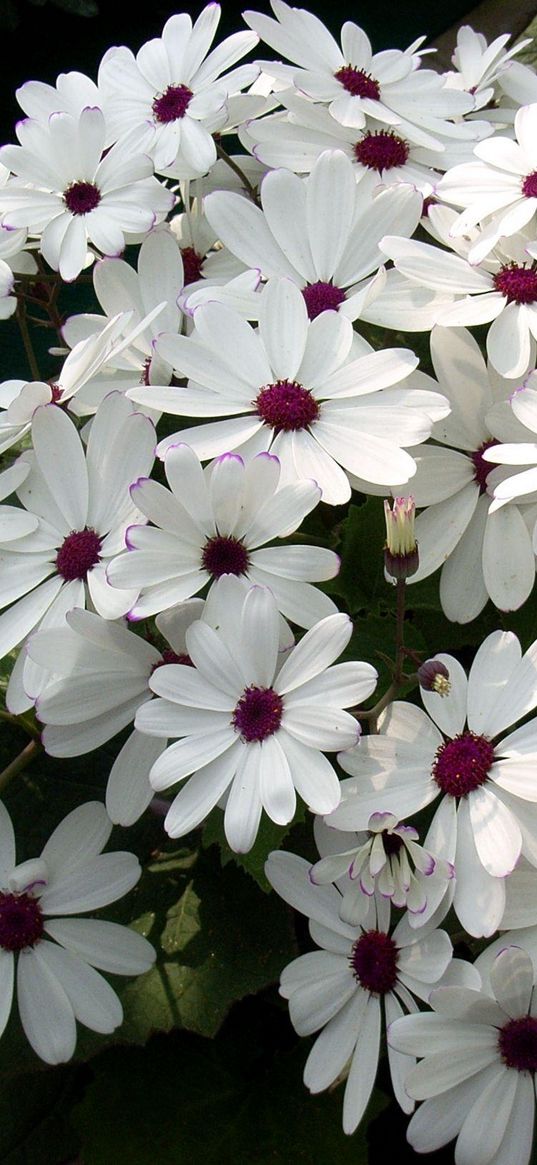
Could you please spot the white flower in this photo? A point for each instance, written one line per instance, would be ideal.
(482, 554)
(487, 815)
(251, 729)
(479, 65)
(290, 388)
(380, 156)
(499, 190)
(340, 987)
(502, 289)
(55, 956)
(69, 193)
(477, 1075)
(72, 93)
(386, 859)
(177, 91)
(322, 233)
(96, 677)
(517, 485)
(215, 522)
(83, 506)
(388, 87)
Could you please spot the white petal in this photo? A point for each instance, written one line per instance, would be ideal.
(511, 979)
(128, 791)
(244, 805)
(485, 1125)
(449, 712)
(45, 1011)
(7, 970)
(90, 886)
(77, 839)
(494, 662)
(479, 898)
(105, 945)
(60, 457)
(201, 793)
(363, 1067)
(314, 777)
(316, 651)
(93, 1001)
(497, 836)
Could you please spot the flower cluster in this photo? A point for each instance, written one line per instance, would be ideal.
(225, 420)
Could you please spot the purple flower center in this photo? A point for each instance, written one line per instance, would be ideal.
(374, 961)
(518, 284)
(21, 921)
(517, 1043)
(170, 656)
(392, 843)
(173, 103)
(258, 713)
(192, 264)
(358, 82)
(529, 185)
(78, 553)
(381, 151)
(287, 405)
(461, 765)
(322, 297)
(224, 556)
(81, 197)
(482, 468)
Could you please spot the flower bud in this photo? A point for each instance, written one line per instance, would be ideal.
(401, 557)
(433, 676)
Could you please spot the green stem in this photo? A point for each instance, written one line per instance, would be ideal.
(28, 754)
(20, 721)
(237, 170)
(27, 340)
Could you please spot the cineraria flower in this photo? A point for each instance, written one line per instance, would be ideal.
(524, 405)
(323, 233)
(380, 157)
(477, 1075)
(480, 65)
(72, 93)
(252, 730)
(55, 956)
(502, 289)
(214, 522)
(340, 987)
(196, 239)
(482, 554)
(388, 87)
(499, 191)
(174, 90)
(83, 506)
(14, 522)
(97, 677)
(488, 811)
(72, 195)
(290, 388)
(386, 859)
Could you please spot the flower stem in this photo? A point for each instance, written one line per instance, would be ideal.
(221, 152)
(27, 340)
(29, 752)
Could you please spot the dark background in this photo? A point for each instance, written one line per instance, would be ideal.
(41, 39)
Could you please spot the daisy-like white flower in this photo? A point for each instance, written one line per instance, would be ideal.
(386, 859)
(83, 506)
(97, 676)
(196, 239)
(14, 522)
(177, 89)
(482, 554)
(501, 289)
(479, 66)
(499, 190)
(380, 156)
(293, 388)
(477, 1072)
(389, 87)
(67, 192)
(72, 93)
(323, 233)
(55, 956)
(488, 811)
(251, 729)
(215, 522)
(516, 485)
(359, 973)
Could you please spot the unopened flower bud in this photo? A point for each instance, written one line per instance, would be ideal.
(433, 676)
(401, 557)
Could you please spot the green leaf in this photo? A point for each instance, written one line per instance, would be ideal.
(187, 1100)
(214, 946)
(269, 837)
(361, 580)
